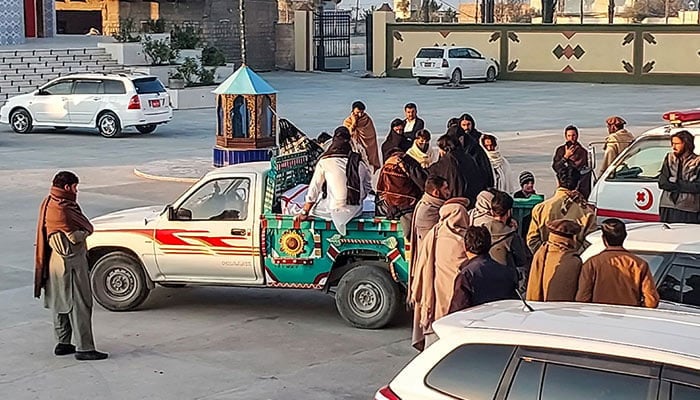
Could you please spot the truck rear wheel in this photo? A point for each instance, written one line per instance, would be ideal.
(119, 282)
(368, 297)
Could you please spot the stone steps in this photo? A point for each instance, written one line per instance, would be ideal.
(22, 71)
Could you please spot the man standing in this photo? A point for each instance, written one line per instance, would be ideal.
(680, 181)
(468, 125)
(427, 212)
(434, 272)
(399, 186)
(347, 183)
(566, 203)
(481, 279)
(412, 123)
(573, 154)
(556, 266)
(453, 166)
(616, 276)
(507, 247)
(363, 133)
(502, 173)
(421, 150)
(62, 268)
(618, 140)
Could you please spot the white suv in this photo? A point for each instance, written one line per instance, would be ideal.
(558, 351)
(108, 102)
(453, 63)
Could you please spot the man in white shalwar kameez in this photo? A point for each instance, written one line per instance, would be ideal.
(502, 173)
(331, 170)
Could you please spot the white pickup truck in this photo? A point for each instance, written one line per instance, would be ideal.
(227, 230)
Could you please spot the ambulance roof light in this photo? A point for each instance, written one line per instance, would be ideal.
(678, 118)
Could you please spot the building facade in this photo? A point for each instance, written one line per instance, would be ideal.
(21, 19)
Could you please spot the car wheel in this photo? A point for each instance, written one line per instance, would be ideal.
(422, 81)
(119, 282)
(368, 297)
(21, 121)
(109, 125)
(60, 128)
(491, 74)
(146, 128)
(456, 76)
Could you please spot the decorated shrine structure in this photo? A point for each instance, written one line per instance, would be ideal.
(245, 119)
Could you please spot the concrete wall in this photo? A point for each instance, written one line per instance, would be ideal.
(284, 57)
(261, 20)
(574, 53)
(11, 22)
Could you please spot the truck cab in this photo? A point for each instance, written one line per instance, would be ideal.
(227, 230)
(628, 189)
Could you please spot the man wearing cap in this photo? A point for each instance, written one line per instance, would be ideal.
(556, 267)
(616, 276)
(618, 140)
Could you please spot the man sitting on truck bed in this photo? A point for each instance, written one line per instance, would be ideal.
(340, 183)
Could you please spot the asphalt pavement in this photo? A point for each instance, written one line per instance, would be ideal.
(235, 343)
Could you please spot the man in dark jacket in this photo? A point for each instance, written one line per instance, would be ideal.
(454, 166)
(507, 246)
(481, 279)
(412, 123)
(573, 154)
(473, 149)
(395, 139)
(680, 181)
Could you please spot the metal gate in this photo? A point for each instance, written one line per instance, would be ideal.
(331, 40)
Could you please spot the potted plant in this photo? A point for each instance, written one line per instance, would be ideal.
(127, 49)
(214, 57)
(176, 80)
(154, 29)
(188, 41)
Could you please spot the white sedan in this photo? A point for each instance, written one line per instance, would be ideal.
(453, 63)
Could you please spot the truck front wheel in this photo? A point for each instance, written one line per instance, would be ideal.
(368, 297)
(119, 282)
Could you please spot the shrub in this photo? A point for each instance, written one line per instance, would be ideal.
(206, 76)
(187, 37)
(189, 70)
(155, 26)
(213, 57)
(124, 34)
(159, 51)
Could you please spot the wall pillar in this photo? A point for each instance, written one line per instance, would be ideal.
(11, 22)
(303, 40)
(380, 18)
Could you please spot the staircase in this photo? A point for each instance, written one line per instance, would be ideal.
(22, 71)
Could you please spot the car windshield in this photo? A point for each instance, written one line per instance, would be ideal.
(655, 261)
(148, 85)
(430, 53)
(643, 161)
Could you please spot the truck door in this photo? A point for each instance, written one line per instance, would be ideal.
(209, 236)
(629, 189)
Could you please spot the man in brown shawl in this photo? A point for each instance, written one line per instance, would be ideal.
(61, 268)
(363, 133)
(573, 154)
(680, 181)
(556, 267)
(441, 253)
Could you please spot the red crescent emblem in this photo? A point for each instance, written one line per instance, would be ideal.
(644, 199)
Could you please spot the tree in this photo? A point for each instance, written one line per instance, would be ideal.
(512, 11)
(403, 8)
(654, 8)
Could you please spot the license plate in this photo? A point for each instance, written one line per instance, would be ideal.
(427, 64)
(154, 103)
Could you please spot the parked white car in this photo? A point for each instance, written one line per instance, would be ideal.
(673, 254)
(629, 188)
(559, 351)
(453, 63)
(108, 102)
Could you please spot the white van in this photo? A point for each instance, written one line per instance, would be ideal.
(629, 189)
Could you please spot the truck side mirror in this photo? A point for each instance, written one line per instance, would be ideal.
(183, 214)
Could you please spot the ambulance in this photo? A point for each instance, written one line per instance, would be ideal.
(628, 189)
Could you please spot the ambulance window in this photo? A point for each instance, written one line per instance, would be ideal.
(642, 163)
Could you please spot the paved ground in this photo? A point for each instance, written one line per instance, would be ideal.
(222, 343)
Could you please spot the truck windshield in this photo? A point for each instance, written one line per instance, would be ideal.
(642, 162)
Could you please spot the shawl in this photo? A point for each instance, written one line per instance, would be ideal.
(502, 172)
(59, 212)
(425, 288)
(425, 159)
(363, 132)
(481, 213)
